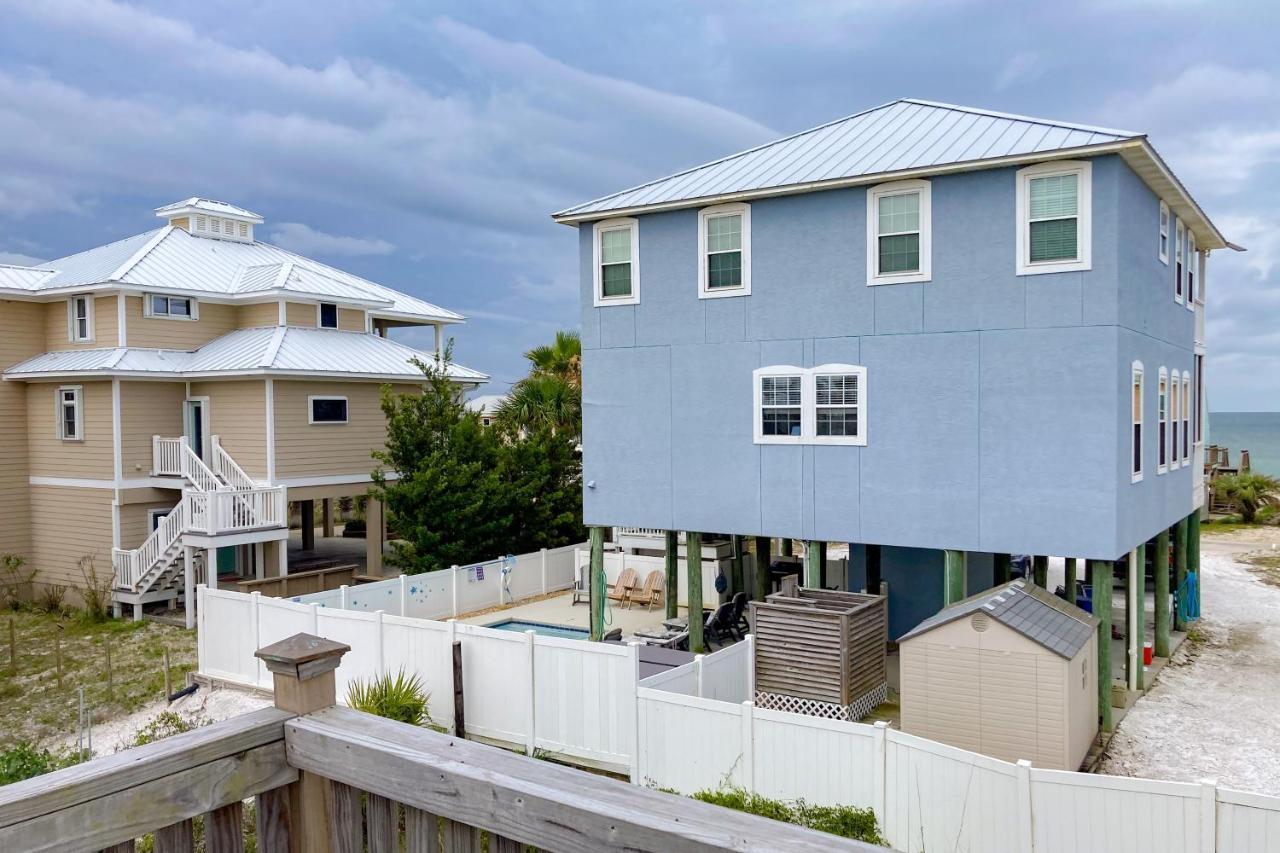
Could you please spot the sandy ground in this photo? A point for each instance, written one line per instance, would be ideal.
(202, 707)
(1213, 711)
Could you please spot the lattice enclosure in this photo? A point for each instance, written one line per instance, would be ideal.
(852, 712)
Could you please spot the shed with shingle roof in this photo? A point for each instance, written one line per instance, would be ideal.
(1010, 672)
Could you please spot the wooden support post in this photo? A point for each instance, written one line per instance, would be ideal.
(1100, 575)
(763, 559)
(302, 668)
(873, 569)
(308, 512)
(693, 566)
(326, 518)
(1040, 571)
(822, 565)
(1138, 626)
(736, 572)
(787, 549)
(1160, 567)
(1179, 570)
(597, 583)
(671, 562)
(812, 565)
(1193, 553)
(1002, 568)
(1069, 578)
(373, 536)
(953, 580)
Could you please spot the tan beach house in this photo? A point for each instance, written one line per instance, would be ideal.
(167, 395)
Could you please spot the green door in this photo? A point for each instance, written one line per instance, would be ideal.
(226, 561)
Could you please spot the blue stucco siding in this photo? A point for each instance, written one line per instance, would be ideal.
(996, 404)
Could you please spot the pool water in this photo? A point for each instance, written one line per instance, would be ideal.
(542, 629)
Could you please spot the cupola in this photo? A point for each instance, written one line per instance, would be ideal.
(205, 217)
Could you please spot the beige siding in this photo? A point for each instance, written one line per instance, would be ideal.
(147, 409)
(21, 337)
(1082, 699)
(67, 524)
(301, 314)
(135, 522)
(106, 325)
(307, 450)
(49, 455)
(258, 314)
(351, 319)
(215, 321)
(238, 416)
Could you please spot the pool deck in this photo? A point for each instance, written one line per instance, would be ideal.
(560, 610)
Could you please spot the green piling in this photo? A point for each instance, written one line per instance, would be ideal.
(1179, 568)
(952, 577)
(1101, 573)
(1069, 578)
(1040, 571)
(597, 583)
(787, 548)
(763, 544)
(736, 583)
(1138, 600)
(671, 562)
(1160, 563)
(1193, 552)
(693, 567)
(813, 565)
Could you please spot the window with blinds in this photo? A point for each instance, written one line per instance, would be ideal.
(1053, 214)
(1136, 468)
(816, 405)
(898, 238)
(724, 250)
(617, 270)
(1162, 425)
(1164, 233)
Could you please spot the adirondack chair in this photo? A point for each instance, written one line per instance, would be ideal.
(625, 585)
(650, 594)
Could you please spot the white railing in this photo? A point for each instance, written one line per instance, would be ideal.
(166, 456)
(234, 510)
(131, 567)
(653, 532)
(228, 469)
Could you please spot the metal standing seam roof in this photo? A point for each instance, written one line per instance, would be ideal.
(268, 349)
(22, 278)
(1037, 614)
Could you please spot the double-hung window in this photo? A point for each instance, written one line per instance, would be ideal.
(1136, 467)
(327, 315)
(80, 319)
(1191, 271)
(1174, 397)
(779, 405)
(1053, 218)
(1162, 412)
(724, 251)
(1164, 233)
(170, 307)
(1179, 254)
(898, 232)
(817, 405)
(1199, 384)
(617, 262)
(70, 414)
(1186, 418)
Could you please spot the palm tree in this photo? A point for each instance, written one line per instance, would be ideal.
(1249, 492)
(562, 359)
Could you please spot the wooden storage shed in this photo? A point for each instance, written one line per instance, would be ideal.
(820, 652)
(1010, 673)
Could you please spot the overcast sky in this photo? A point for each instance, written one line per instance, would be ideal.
(424, 145)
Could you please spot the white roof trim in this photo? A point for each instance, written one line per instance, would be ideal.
(124, 268)
(269, 355)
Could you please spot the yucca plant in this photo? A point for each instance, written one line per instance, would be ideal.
(399, 697)
(1249, 492)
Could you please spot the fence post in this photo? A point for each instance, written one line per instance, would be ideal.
(530, 739)
(748, 746)
(379, 644)
(315, 619)
(1026, 839)
(342, 597)
(451, 634)
(1208, 815)
(255, 623)
(404, 593)
(880, 786)
(697, 670)
(542, 560)
(634, 646)
(500, 564)
(751, 666)
(453, 573)
(201, 659)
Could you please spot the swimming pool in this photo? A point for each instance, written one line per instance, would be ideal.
(542, 629)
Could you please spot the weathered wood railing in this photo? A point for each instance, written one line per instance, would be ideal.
(326, 779)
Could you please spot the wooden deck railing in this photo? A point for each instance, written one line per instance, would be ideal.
(326, 779)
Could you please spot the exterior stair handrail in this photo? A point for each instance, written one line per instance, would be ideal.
(131, 566)
(225, 467)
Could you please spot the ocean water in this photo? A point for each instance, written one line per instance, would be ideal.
(1256, 432)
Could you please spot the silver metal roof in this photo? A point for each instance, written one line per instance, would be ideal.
(22, 278)
(208, 205)
(1038, 615)
(173, 260)
(269, 349)
(902, 135)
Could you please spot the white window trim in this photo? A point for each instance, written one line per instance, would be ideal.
(1162, 240)
(89, 318)
(1084, 218)
(311, 410)
(633, 298)
(79, 406)
(148, 309)
(151, 517)
(1187, 419)
(874, 195)
(1162, 421)
(1180, 260)
(757, 413)
(809, 415)
(719, 210)
(337, 315)
(1189, 271)
(1140, 421)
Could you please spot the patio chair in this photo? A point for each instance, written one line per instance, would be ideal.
(738, 618)
(650, 594)
(613, 636)
(625, 585)
(719, 624)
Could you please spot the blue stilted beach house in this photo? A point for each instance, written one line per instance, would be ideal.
(943, 335)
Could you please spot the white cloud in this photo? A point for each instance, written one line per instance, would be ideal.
(18, 259)
(305, 240)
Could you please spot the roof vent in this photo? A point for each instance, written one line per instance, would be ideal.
(206, 217)
(980, 622)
